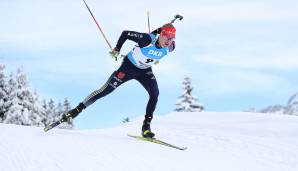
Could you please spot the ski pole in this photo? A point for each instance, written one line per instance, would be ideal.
(148, 19)
(98, 26)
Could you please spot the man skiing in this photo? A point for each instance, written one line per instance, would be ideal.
(150, 48)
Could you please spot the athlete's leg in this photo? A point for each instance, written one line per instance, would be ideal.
(123, 74)
(115, 80)
(149, 82)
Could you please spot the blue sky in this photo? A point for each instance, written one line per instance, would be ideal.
(239, 54)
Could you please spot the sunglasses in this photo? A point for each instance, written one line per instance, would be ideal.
(168, 37)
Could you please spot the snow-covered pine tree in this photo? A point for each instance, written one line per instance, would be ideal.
(3, 92)
(66, 105)
(50, 110)
(12, 105)
(38, 109)
(23, 108)
(187, 102)
(19, 105)
(43, 111)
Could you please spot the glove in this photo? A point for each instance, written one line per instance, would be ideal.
(114, 53)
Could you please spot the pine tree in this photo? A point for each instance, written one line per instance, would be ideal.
(126, 120)
(24, 108)
(20, 105)
(38, 110)
(44, 106)
(187, 102)
(3, 92)
(12, 105)
(50, 111)
(66, 105)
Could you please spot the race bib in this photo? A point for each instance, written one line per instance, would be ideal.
(145, 57)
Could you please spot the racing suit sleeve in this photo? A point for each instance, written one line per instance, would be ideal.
(142, 39)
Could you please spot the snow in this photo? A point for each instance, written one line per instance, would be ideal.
(290, 109)
(215, 140)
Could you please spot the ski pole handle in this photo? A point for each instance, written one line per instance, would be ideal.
(148, 20)
(180, 17)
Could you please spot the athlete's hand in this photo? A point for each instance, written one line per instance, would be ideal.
(114, 53)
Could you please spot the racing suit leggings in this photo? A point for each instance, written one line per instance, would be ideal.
(127, 71)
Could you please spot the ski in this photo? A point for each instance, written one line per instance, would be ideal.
(156, 141)
(53, 125)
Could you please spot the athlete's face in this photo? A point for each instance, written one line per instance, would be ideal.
(165, 41)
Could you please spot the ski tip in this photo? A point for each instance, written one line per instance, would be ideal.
(46, 129)
(134, 136)
(129, 135)
(184, 148)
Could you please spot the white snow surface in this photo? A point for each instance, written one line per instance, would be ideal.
(216, 141)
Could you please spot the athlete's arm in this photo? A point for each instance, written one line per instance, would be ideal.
(157, 31)
(142, 39)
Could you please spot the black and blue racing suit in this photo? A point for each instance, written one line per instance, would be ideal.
(136, 65)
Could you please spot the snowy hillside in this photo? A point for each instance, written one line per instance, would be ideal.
(290, 109)
(215, 141)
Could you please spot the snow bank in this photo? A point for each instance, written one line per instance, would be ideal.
(216, 141)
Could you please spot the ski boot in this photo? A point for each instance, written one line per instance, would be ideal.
(146, 130)
(67, 117)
